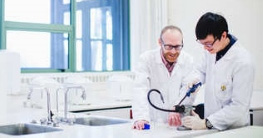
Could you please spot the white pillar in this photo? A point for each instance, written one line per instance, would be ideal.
(147, 18)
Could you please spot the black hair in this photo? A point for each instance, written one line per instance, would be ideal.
(211, 24)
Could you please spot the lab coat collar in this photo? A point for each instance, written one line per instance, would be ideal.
(221, 53)
(229, 54)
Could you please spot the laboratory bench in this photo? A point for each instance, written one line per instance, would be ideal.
(244, 132)
(114, 131)
(19, 113)
(102, 104)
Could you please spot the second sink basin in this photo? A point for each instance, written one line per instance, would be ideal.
(99, 121)
(25, 129)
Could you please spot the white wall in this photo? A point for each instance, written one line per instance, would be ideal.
(147, 18)
(244, 17)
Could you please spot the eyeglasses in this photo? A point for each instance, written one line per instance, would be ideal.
(208, 45)
(170, 47)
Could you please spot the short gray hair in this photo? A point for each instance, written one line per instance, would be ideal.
(170, 27)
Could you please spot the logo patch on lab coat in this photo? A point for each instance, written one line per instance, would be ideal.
(223, 87)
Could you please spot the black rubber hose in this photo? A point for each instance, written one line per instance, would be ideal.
(158, 108)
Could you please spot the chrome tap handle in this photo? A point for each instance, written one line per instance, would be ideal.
(84, 95)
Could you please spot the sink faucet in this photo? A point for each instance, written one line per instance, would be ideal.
(49, 118)
(66, 89)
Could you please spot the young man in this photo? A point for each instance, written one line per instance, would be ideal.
(227, 72)
(166, 69)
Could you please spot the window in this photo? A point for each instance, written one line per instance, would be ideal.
(105, 45)
(67, 35)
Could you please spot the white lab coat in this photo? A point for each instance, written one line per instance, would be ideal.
(151, 73)
(228, 87)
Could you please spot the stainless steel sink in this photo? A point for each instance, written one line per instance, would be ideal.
(100, 121)
(25, 129)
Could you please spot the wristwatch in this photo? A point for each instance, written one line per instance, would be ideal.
(208, 124)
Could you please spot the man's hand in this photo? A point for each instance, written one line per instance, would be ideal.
(140, 124)
(174, 119)
(190, 85)
(194, 122)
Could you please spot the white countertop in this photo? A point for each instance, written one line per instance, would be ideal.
(115, 131)
(17, 113)
(245, 132)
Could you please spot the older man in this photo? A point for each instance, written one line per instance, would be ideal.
(165, 68)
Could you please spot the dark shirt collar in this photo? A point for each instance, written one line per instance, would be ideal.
(221, 53)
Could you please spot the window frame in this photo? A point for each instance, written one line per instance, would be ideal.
(71, 31)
